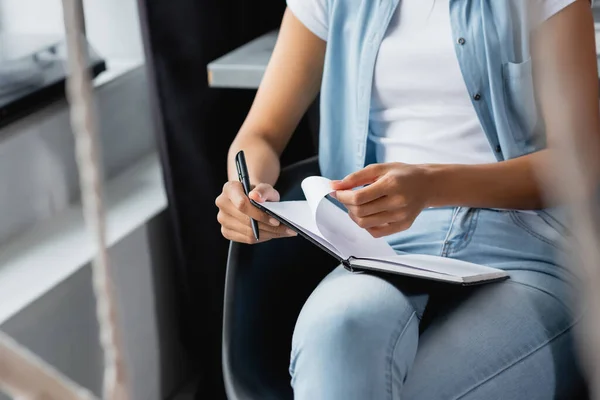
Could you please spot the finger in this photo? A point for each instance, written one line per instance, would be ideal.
(389, 229)
(241, 223)
(278, 231)
(228, 207)
(234, 191)
(362, 196)
(376, 220)
(226, 216)
(247, 237)
(359, 178)
(240, 237)
(240, 202)
(376, 206)
(264, 192)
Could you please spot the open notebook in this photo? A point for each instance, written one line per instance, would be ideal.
(331, 228)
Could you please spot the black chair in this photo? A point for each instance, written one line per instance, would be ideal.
(265, 288)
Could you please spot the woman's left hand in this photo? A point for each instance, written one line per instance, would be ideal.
(396, 194)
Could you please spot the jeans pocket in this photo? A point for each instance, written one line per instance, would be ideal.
(539, 225)
(519, 98)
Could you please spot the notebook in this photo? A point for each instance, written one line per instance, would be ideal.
(330, 227)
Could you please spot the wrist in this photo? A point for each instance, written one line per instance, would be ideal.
(439, 180)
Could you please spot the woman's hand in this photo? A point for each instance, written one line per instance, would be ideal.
(396, 194)
(235, 211)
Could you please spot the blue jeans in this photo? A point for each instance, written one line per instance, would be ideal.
(365, 336)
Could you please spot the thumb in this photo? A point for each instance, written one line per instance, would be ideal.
(359, 178)
(264, 192)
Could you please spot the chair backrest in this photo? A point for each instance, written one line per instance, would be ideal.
(265, 289)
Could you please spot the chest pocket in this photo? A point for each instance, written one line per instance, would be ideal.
(519, 99)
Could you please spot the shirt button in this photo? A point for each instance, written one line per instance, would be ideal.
(498, 149)
(476, 97)
(462, 41)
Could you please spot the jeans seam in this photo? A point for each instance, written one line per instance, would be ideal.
(446, 245)
(389, 376)
(519, 360)
(560, 226)
(517, 220)
(470, 231)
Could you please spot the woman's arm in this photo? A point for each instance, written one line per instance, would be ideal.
(508, 184)
(291, 83)
(397, 193)
(566, 83)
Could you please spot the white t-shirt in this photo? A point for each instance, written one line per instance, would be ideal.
(421, 111)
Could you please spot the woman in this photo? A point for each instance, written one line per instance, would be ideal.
(436, 98)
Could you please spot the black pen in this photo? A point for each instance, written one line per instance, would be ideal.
(242, 170)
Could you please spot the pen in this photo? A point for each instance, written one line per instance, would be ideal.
(242, 170)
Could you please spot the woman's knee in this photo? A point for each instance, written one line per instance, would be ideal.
(352, 320)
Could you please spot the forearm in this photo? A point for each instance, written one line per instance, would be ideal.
(290, 84)
(261, 157)
(511, 184)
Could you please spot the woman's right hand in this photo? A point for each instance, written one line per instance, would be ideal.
(235, 211)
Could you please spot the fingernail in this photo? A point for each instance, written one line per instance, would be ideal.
(274, 222)
(334, 195)
(290, 232)
(259, 195)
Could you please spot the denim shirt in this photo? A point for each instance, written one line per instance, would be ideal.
(491, 39)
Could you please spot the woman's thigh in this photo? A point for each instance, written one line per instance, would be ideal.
(356, 337)
(511, 340)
